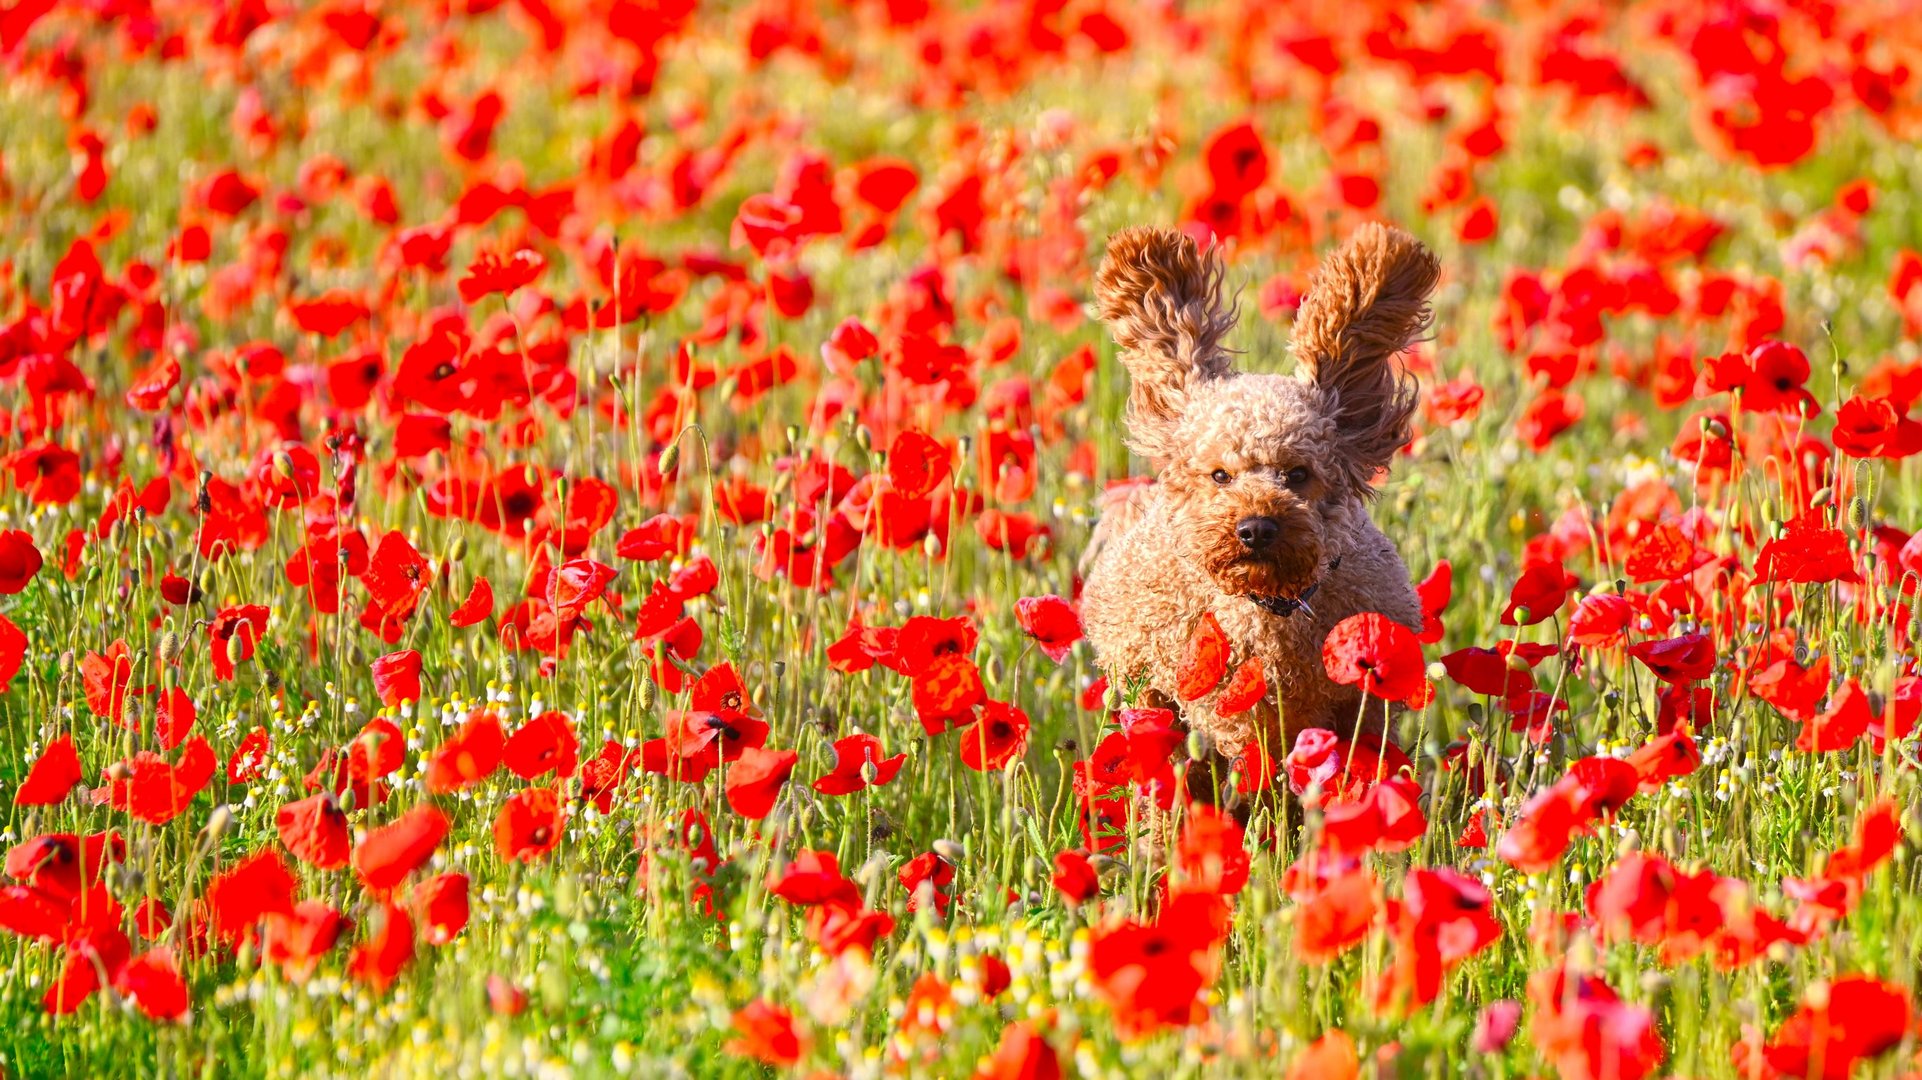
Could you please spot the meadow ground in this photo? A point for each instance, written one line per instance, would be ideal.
(541, 538)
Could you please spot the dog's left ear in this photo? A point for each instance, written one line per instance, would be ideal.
(1368, 302)
(1160, 295)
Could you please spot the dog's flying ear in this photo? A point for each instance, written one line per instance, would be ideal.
(1160, 295)
(1368, 302)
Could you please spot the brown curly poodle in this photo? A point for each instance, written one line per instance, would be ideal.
(1259, 509)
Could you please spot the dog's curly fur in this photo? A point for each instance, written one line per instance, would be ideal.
(1301, 451)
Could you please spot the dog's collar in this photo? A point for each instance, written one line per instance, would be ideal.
(1285, 606)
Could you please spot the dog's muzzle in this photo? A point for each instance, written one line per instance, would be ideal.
(1284, 606)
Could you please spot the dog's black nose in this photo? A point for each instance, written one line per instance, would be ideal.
(1256, 533)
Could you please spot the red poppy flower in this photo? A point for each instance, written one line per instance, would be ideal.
(1443, 918)
(54, 773)
(1679, 660)
(998, 736)
(756, 778)
(249, 759)
(768, 1034)
(946, 692)
(1380, 656)
(1245, 689)
(380, 959)
(814, 877)
(859, 761)
(1808, 551)
(1154, 974)
(315, 830)
(1795, 691)
(154, 384)
(1774, 380)
(1205, 660)
(469, 756)
(152, 981)
(106, 678)
(1075, 878)
(1839, 726)
(545, 744)
(256, 887)
(1236, 159)
(1209, 854)
(1587, 1032)
(1051, 621)
(1337, 900)
(298, 939)
(1385, 817)
(529, 825)
(1592, 789)
(155, 790)
(13, 651)
(397, 677)
(1538, 594)
(477, 607)
(928, 875)
(917, 464)
(1600, 621)
(63, 866)
(19, 561)
(388, 854)
(1489, 671)
(1434, 592)
(490, 273)
(232, 635)
(1857, 1019)
(441, 902)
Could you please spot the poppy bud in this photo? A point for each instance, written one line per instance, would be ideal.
(1199, 745)
(864, 438)
(236, 649)
(728, 387)
(1111, 698)
(931, 544)
(647, 695)
(1858, 514)
(218, 822)
(284, 465)
(670, 457)
(207, 580)
(457, 550)
(169, 647)
(948, 850)
(66, 663)
(1821, 496)
(793, 436)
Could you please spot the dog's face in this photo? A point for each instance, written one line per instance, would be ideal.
(1257, 482)
(1261, 467)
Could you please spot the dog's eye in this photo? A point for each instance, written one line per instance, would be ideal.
(1222, 476)
(1298, 476)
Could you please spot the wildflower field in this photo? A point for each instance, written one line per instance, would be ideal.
(541, 538)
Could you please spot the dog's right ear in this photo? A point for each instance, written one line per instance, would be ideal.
(1160, 295)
